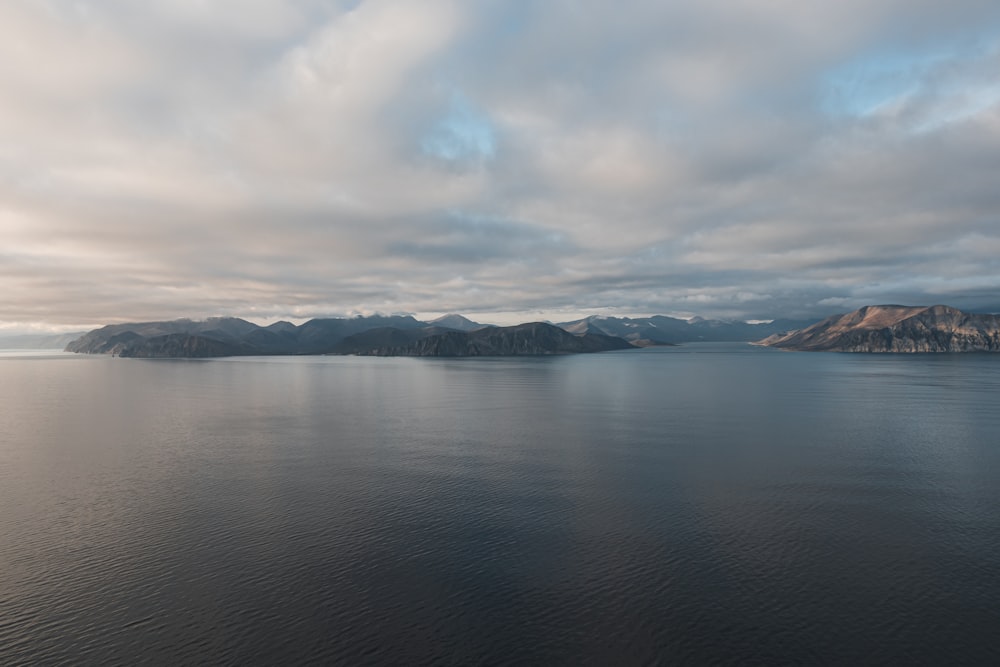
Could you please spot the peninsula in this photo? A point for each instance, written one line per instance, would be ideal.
(906, 329)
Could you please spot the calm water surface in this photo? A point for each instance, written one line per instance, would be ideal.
(711, 503)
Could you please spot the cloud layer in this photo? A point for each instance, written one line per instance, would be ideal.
(270, 159)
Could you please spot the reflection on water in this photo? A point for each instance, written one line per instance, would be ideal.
(708, 503)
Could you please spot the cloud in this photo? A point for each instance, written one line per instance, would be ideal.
(461, 239)
(754, 160)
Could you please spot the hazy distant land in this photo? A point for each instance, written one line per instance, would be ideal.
(38, 341)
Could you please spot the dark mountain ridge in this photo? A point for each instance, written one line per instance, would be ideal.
(375, 335)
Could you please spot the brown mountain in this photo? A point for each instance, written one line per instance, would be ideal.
(896, 329)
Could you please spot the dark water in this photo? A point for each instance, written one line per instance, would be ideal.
(706, 504)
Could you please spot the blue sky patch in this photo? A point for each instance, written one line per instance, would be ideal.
(862, 87)
(463, 135)
(924, 90)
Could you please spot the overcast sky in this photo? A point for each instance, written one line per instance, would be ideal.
(507, 160)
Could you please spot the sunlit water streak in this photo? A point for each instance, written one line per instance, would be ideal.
(709, 503)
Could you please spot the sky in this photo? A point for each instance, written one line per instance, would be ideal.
(509, 160)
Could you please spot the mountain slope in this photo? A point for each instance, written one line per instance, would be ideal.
(181, 345)
(535, 338)
(385, 337)
(896, 329)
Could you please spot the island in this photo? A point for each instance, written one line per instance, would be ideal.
(451, 336)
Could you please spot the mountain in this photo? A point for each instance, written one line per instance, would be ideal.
(109, 338)
(535, 338)
(457, 322)
(896, 329)
(662, 330)
(376, 335)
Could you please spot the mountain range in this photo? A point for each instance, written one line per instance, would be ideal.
(452, 335)
(870, 329)
(896, 329)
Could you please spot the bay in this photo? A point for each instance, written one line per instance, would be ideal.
(710, 503)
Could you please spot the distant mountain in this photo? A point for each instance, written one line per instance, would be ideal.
(457, 322)
(535, 338)
(896, 329)
(662, 330)
(377, 335)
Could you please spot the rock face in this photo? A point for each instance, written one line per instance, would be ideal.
(896, 329)
(535, 338)
(378, 335)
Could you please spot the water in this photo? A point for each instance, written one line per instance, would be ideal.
(712, 503)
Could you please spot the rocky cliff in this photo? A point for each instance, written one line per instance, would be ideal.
(896, 329)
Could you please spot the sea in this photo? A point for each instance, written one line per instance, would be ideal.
(711, 503)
